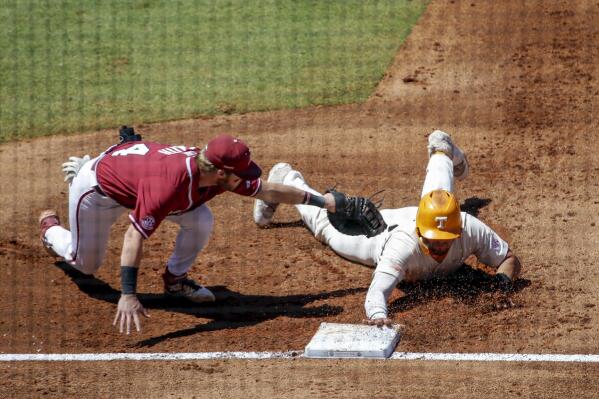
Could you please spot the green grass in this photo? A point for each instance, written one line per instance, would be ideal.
(75, 65)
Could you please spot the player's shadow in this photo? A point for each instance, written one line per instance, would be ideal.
(465, 285)
(231, 310)
(284, 225)
(473, 205)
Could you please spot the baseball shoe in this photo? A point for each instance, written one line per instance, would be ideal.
(264, 211)
(47, 219)
(72, 167)
(439, 141)
(185, 287)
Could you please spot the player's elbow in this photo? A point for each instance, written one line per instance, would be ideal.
(517, 268)
(512, 264)
(132, 234)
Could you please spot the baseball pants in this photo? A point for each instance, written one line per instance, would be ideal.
(91, 216)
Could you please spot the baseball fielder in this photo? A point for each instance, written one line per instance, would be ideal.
(421, 242)
(155, 182)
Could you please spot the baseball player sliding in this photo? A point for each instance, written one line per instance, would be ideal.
(155, 182)
(419, 243)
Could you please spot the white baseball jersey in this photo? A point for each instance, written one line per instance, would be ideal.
(402, 255)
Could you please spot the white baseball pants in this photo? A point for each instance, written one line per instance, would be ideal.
(91, 216)
(361, 249)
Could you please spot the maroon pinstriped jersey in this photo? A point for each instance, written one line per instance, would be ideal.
(156, 180)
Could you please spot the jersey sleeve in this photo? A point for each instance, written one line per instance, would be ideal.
(397, 255)
(249, 188)
(489, 248)
(378, 295)
(156, 198)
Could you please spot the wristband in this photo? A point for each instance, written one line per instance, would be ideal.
(314, 200)
(378, 315)
(128, 280)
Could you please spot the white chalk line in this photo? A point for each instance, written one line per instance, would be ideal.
(459, 357)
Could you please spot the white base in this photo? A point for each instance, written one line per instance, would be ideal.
(334, 340)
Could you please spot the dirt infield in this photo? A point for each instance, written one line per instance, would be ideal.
(517, 85)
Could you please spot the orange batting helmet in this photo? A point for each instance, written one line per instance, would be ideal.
(439, 216)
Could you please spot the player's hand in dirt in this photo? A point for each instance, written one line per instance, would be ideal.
(379, 322)
(503, 301)
(129, 310)
(498, 301)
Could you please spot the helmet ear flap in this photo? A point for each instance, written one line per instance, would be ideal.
(423, 246)
(439, 216)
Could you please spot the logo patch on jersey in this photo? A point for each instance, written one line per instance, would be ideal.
(495, 244)
(148, 222)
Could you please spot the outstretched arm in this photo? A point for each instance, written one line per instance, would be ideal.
(376, 299)
(283, 194)
(129, 309)
(492, 250)
(132, 247)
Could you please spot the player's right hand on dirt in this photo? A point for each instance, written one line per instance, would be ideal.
(379, 322)
(502, 301)
(129, 310)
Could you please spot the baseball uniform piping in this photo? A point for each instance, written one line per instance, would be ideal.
(257, 188)
(188, 164)
(77, 222)
(137, 226)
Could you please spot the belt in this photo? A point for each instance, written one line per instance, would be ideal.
(99, 191)
(97, 188)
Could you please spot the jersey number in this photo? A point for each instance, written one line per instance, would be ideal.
(137, 149)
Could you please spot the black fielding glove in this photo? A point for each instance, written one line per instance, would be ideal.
(356, 215)
(127, 134)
